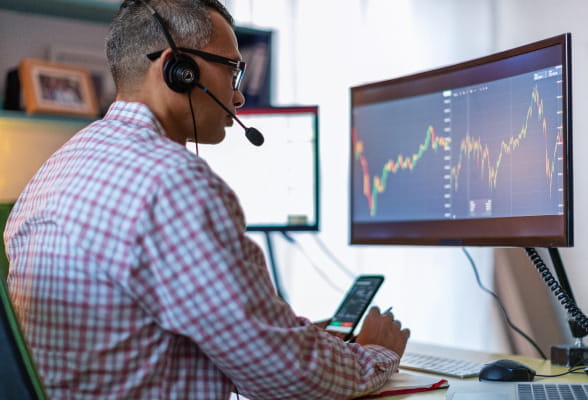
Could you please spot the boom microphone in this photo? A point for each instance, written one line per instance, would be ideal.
(253, 135)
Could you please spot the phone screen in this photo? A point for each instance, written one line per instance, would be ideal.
(356, 301)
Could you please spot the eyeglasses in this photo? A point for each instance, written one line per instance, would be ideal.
(238, 66)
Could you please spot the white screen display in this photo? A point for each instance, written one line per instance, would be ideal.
(277, 182)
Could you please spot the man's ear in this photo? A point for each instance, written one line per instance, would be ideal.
(162, 61)
(156, 66)
(166, 55)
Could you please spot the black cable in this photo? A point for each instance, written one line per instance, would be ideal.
(499, 302)
(564, 298)
(193, 121)
(336, 261)
(313, 265)
(571, 370)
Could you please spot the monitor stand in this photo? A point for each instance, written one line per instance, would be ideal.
(577, 353)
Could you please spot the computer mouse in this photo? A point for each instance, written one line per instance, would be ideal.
(507, 371)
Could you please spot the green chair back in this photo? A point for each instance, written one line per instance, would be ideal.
(18, 375)
(4, 211)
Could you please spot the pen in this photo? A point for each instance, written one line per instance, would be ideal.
(387, 310)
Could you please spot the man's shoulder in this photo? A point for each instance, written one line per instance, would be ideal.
(130, 145)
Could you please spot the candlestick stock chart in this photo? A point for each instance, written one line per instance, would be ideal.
(492, 149)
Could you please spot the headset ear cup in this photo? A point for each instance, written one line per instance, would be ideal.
(181, 73)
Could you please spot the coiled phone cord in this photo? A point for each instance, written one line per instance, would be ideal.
(558, 291)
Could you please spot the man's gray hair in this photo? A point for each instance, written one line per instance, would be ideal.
(134, 33)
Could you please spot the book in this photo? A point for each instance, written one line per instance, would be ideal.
(406, 383)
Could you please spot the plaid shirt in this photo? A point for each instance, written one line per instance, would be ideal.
(133, 278)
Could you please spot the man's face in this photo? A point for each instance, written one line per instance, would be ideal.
(211, 119)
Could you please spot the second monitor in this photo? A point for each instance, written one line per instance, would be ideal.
(278, 182)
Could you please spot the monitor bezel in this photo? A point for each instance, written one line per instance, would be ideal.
(479, 231)
(294, 109)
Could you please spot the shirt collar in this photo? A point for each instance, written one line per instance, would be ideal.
(134, 113)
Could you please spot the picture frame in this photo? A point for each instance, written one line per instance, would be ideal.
(94, 60)
(55, 88)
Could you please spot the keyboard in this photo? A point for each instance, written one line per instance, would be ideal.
(440, 365)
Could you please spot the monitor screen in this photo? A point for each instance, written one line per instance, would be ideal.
(477, 153)
(278, 182)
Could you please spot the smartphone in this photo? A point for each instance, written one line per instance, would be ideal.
(354, 305)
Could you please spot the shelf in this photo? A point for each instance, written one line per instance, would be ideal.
(43, 118)
(85, 10)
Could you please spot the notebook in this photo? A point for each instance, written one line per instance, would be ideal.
(517, 391)
(407, 383)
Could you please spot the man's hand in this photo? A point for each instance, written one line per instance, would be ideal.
(322, 324)
(383, 330)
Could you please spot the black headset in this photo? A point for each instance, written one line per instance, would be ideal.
(180, 72)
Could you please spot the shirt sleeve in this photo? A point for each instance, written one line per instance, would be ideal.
(203, 278)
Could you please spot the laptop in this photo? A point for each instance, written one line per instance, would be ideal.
(517, 391)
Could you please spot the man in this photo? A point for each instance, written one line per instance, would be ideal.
(129, 265)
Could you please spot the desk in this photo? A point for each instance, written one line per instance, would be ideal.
(542, 367)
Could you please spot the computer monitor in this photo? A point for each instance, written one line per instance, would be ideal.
(278, 182)
(474, 154)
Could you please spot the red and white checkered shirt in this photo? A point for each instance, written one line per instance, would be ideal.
(133, 278)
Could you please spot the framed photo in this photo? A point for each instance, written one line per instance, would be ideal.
(94, 60)
(54, 88)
